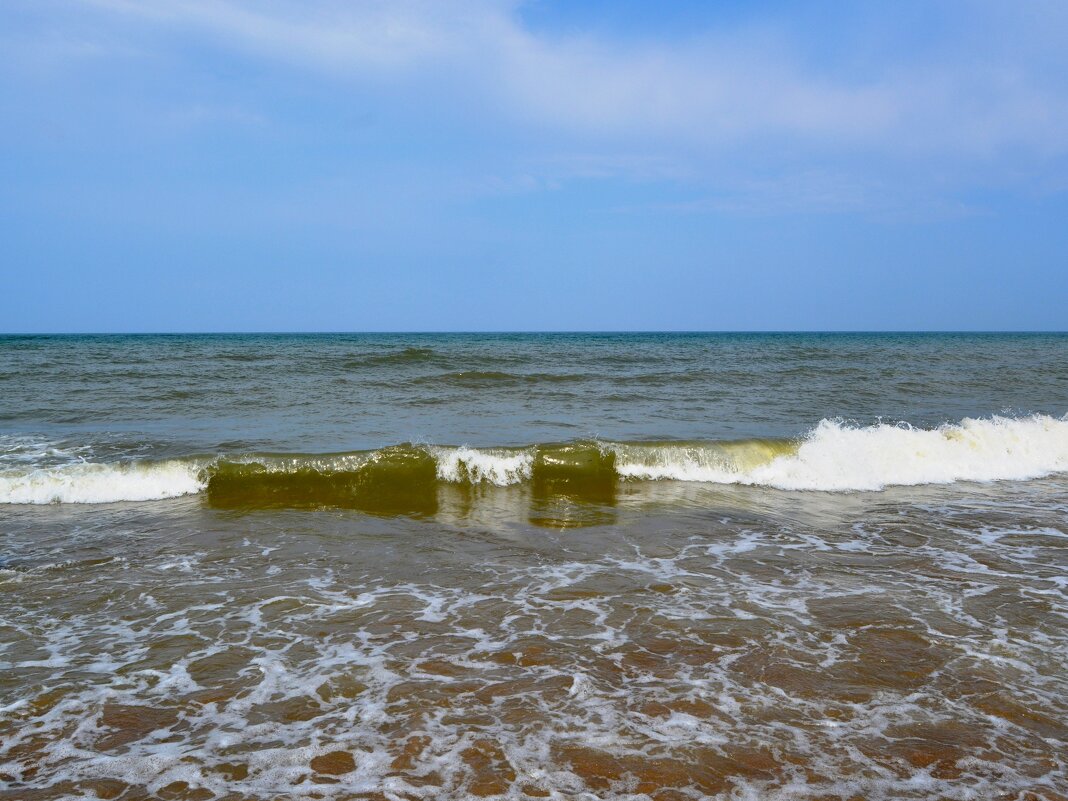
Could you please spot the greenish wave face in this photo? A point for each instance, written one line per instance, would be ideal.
(406, 478)
(392, 480)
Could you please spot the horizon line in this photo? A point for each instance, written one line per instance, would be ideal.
(562, 331)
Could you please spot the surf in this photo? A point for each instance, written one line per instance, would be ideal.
(833, 456)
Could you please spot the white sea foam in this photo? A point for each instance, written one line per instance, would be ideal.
(92, 482)
(492, 466)
(535, 651)
(836, 456)
(18, 450)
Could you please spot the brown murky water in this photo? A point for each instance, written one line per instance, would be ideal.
(670, 642)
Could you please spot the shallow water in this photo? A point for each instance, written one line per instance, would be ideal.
(579, 633)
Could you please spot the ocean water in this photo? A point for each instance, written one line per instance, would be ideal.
(627, 566)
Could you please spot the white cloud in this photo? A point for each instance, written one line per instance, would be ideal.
(702, 91)
(335, 35)
(969, 101)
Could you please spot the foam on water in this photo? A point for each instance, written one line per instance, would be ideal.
(734, 667)
(476, 465)
(840, 457)
(91, 482)
(836, 456)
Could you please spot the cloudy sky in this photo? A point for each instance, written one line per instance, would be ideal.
(172, 165)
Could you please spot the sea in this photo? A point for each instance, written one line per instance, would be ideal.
(571, 566)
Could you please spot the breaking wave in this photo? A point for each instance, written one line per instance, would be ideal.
(833, 456)
(96, 482)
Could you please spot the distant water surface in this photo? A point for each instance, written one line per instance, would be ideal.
(339, 392)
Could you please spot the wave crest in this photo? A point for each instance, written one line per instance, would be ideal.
(94, 482)
(475, 466)
(836, 456)
(833, 456)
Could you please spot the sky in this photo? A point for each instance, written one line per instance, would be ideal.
(352, 165)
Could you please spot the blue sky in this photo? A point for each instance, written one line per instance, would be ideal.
(199, 165)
